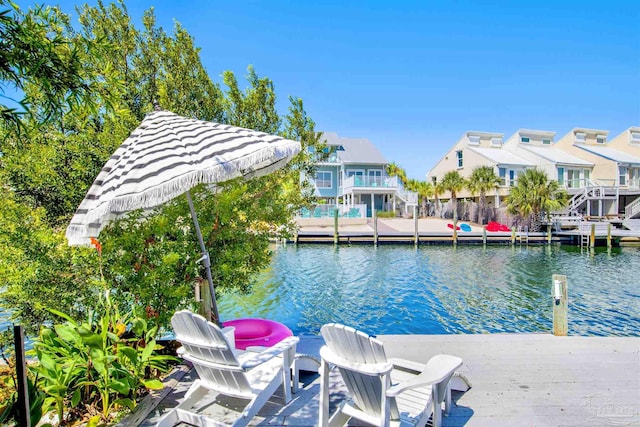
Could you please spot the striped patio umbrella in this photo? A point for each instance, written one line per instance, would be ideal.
(165, 157)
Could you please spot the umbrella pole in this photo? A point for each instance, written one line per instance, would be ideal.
(205, 260)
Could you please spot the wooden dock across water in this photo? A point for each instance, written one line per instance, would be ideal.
(517, 380)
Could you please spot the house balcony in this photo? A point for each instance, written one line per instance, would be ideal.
(370, 184)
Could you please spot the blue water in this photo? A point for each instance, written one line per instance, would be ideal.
(444, 290)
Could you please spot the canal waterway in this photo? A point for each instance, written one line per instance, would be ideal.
(444, 289)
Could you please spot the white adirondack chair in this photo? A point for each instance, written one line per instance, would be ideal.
(249, 375)
(382, 392)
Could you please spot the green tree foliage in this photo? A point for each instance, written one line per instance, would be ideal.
(453, 183)
(148, 260)
(533, 195)
(42, 62)
(393, 169)
(483, 179)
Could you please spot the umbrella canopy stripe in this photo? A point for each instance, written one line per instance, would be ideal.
(166, 156)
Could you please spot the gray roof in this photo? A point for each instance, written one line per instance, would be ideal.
(356, 150)
(501, 156)
(611, 154)
(557, 156)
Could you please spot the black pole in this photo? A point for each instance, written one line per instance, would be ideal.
(21, 371)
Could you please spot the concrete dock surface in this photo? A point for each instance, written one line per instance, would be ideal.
(517, 380)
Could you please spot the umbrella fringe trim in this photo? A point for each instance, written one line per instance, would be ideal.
(78, 235)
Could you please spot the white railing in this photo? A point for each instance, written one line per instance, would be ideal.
(328, 211)
(632, 209)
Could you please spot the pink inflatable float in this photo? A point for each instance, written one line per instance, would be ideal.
(259, 332)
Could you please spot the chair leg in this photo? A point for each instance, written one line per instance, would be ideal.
(437, 409)
(258, 402)
(324, 394)
(447, 399)
(339, 419)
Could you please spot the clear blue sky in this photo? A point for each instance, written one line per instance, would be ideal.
(413, 76)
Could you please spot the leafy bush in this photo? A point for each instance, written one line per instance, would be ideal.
(385, 214)
(97, 366)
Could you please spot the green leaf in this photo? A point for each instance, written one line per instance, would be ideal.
(148, 350)
(94, 421)
(75, 399)
(121, 387)
(92, 340)
(125, 402)
(153, 384)
(67, 333)
(129, 352)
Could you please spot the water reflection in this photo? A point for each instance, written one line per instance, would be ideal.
(444, 289)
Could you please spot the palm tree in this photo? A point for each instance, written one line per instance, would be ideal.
(437, 190)
(533, 195)
(393, 169)
(424, 190)
(483, 179)
(454, 183)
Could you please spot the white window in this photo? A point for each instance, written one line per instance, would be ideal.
(524, 139)
(623, 176)
(459, 157)
(635, 137)
(375, 178)
(581, 137)
(502, 173)
(496, 142)
(358, 175)
(560, 176)
(546, 142)
(601, 139)
(474, 140)
(323, 179)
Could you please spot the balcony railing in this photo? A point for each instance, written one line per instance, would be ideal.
(328, 211)
(358, 181)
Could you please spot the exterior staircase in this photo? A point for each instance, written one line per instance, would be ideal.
(632, 210)
(592, 192)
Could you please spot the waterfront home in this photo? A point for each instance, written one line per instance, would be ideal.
(601, 177)
(351, 177)
(613, 184)
(475, 149)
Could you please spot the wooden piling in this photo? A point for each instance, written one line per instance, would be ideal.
(484, 235)
(592, 238)
(455, 231)
(336, 235)
(24, 417)
(560, 306)
(415, 226)
(609, 236)
(513, 236)
(375, 227)
(549, 234)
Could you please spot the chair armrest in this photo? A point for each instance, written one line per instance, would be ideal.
(372, 369)
(439, 368)
(271, 352)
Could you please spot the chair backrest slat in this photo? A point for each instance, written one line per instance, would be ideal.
(355, 346)
(203, 341)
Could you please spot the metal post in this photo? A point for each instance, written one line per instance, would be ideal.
(21, 371)
(560, 304)
(206, 262)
